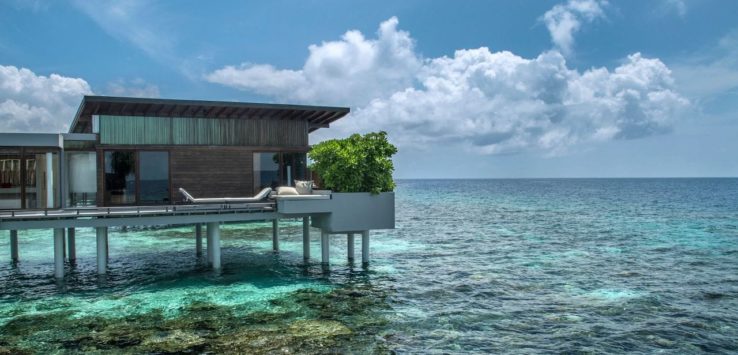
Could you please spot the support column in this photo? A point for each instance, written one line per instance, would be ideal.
(351, 247)
(198, 239)
(14, 246)
(102, 249)
(275, 235)
(71, 245)
(365, 247)
(50, 181)
(214, 234)
(306, 238)
(64, 244)
(209, 241)
(325, 248)
(59, 253)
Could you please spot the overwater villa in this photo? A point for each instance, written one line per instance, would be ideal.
(140, 162)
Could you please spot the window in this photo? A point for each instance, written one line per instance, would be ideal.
(294, 167)
(10, 181)
(278, 169)
(82, 178)
(154, 177)
(136, 177)
(29, 179)
(120, 177)
(266, 170)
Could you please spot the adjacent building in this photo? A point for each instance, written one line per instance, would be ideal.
(123, 151)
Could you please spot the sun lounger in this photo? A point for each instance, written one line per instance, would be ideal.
(258, 197)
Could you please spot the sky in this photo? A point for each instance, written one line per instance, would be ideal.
(465, 89)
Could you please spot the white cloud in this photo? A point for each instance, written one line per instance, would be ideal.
(36, 103)
(132, 88)
(352, 69)
(564, 20)
(489, 102)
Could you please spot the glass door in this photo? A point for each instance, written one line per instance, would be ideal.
(136, 177)
(153, 177)
(120, 177)
(10, 181)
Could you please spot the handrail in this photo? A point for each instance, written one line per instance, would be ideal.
(137, 210)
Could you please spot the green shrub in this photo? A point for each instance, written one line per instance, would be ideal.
(355, 164)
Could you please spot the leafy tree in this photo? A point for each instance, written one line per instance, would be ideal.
(355, 164)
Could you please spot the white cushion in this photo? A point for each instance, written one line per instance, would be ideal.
(286, 190)
(304, 187)
(303, 197)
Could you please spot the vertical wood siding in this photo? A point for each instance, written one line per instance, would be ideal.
(135, 130)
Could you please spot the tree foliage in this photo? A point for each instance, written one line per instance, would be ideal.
(355, 164)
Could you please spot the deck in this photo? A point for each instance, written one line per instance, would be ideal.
(332, 213)
(135, 215)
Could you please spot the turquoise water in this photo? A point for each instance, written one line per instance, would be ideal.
(550, 265)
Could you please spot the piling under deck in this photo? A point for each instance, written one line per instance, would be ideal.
(64, 221)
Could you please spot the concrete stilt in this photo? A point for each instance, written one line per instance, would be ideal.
(209, 241)
(107, 247)
(64, 244)
(365, 247)
(14, 246)
(325, 248)
(306, 238)
(71, 245)
(275, 235)
(102, 249)
(350, 247)
(59, 253)
(215, 243)
(198, 239)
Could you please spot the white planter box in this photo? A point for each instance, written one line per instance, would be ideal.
(346, 211)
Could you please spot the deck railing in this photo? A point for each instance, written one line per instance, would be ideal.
(127, 211)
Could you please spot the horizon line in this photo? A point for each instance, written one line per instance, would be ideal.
(565, 178)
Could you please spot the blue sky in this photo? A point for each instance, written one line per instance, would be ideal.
(578, 88)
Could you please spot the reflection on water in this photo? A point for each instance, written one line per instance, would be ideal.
(473, 266)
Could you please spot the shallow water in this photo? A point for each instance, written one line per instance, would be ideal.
(592, 265)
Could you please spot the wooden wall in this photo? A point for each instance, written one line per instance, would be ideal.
(211, 172)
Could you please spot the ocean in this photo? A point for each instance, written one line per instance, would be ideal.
(474, 266)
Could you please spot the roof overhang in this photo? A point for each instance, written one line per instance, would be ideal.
(55, 140)
(317, 116)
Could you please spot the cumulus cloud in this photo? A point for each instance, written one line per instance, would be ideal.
(489, 102)
(133, 88)
(354, 69)
(564, 20)
(37, 103)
